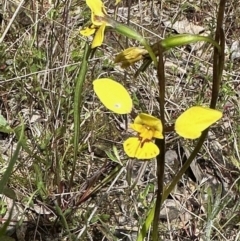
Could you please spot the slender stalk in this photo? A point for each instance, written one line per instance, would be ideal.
(218, 56)
(172, 42)
(150, 52)
(77, 106)
(185, 166)
(160, 143)
(11, 21)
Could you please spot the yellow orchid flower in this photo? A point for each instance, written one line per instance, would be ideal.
(130, 55)
(189, 124)
(147, 126)
(99, 24)
(142, 147)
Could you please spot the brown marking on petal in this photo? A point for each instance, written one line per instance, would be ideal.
(143, 142)
(147, 127)
(98, 18)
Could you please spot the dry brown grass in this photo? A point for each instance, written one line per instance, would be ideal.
(40, 58)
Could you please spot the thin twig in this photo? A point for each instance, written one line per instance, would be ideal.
(11, 21)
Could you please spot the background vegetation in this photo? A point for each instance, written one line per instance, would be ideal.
(107, 196)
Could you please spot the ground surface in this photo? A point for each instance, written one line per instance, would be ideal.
(41, 56)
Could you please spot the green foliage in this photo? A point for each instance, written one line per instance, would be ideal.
(4, 126)
(67, 155)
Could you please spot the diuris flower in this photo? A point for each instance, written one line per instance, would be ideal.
(99, 24)
(130, 56)
(142, 147)
(189, 124)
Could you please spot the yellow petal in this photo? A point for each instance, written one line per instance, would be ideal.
(113, 95)
(87, 31)
(193, 121)
(98, 11)
(99, 35)
(145, 132)
(158, 134)
(137, 127)
(96, 6)
(134, 148)
(151, 121)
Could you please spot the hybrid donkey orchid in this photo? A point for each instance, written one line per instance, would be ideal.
(99, 23)
(189, 124)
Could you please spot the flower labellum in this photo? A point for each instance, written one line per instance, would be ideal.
(142, 147)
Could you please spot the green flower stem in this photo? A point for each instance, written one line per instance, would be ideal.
(150, 52)
(77, 106)
(152, 213)
(184, 39)
(145, 227)
(64, 221)
(185, 166)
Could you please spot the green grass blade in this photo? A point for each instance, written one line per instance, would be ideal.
(145, 227)
(5, 225)
(77, 105)
(5, 178)
(12, 162)
(64, 221)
